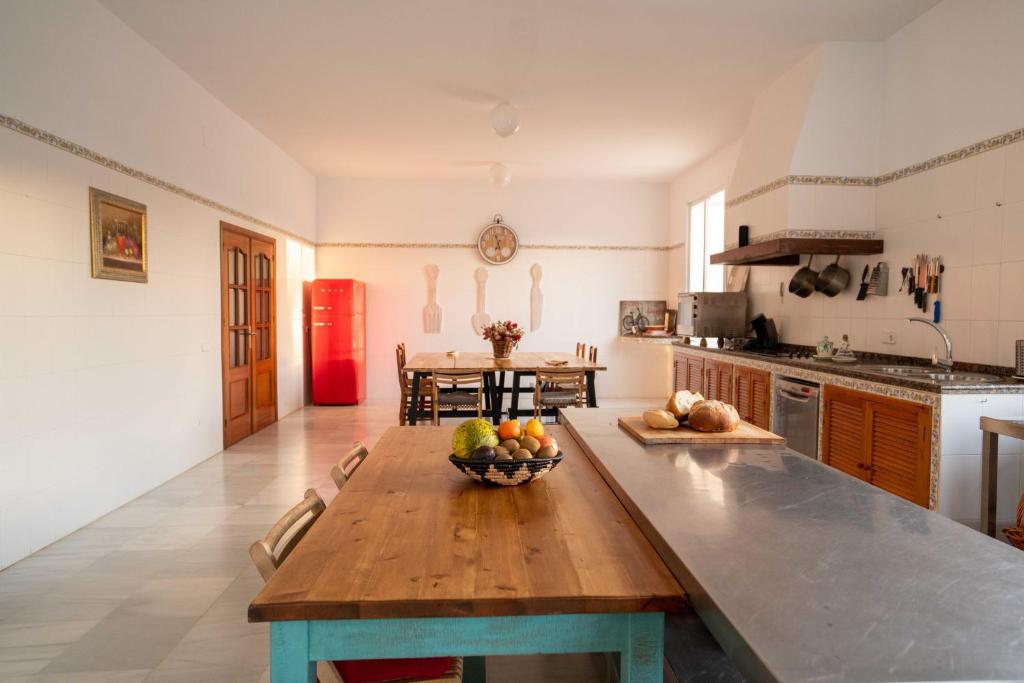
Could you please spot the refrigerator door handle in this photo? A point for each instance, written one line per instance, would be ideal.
(323, 308)
(323, 324)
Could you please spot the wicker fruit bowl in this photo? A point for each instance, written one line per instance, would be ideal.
(505, 472)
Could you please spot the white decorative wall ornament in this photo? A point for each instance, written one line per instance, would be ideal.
(432, 313)
(480, 319)
(536, 297)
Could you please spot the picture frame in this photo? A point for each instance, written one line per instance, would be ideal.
(117, 231)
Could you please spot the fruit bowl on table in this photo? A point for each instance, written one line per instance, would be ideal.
(505, 472)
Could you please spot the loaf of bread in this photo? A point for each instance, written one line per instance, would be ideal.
(660, 419)
(713, 416)
(679, 403)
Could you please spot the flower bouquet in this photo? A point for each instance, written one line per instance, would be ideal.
(504, 335)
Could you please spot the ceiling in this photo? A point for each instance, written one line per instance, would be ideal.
(402, 88)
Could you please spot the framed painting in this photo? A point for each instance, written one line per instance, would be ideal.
(117, 227)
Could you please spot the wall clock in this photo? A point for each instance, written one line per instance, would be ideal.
(498, 243)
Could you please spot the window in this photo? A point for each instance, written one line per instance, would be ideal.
(706, 236)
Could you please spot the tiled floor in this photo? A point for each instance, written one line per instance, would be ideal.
(157, 590)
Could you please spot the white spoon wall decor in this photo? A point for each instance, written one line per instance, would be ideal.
(480, 319)
(536, 298)
(432, 313)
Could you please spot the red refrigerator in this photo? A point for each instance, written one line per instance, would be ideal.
(338, 341)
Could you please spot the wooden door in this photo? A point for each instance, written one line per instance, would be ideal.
(753, 395)
(882, 440)
(718, 381)
(248, 326)
(844, 433)
(693, 377)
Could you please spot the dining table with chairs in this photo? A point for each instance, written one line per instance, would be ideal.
(473, 384)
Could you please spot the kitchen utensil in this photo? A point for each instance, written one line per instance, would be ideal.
(744, 433)
(802, 282)
(833, 279)
(905, 272)
(480, 319)
(937, 306)
(879, 283)
(536, 297)
(862, 293)
(432, 313)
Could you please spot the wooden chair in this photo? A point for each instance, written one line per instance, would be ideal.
(581, 350)
(347, 466)
(449, 392)
(405, 386)
(559, 389)
(273, 549)
(593, 354)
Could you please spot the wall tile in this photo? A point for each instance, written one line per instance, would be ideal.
(985, 292)
(991, 177)
(1011, 291)
(956, 293)
(988, 235)
(1013, 232)
(954, 187)
(952, 238)
(984, 341)
(1014, 178)
(1009, 333)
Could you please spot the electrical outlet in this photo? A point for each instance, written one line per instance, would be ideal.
(888, 337)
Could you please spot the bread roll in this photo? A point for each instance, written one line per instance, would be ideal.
(713, 416)
(660, 419)
(680, 402)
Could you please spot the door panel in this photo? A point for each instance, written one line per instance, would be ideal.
(248, 352)
(843, 432)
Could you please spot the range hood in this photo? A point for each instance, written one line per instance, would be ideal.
(786, 251)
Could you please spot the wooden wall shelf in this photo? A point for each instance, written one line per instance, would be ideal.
(788, 250)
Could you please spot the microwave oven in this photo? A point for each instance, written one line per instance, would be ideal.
(712, 314)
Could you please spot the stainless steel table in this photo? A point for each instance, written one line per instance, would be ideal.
(803, 573)
(991, 428)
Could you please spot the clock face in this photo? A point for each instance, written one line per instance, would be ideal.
(498, 243)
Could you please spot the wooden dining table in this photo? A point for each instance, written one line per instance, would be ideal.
(520, 364)
(415, 559)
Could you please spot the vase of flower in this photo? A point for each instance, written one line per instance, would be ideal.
(504, 335)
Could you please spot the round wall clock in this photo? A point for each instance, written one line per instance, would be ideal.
(498, 243)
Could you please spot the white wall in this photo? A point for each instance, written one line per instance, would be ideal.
(108, 389)
(952, 77)
(582, 288)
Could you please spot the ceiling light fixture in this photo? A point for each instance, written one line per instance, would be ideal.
(504, 119)
(500, 175)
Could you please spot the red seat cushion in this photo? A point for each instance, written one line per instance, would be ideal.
(383, 670)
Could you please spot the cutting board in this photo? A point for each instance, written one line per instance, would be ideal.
(745, 433)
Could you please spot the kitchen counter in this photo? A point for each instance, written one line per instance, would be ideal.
(803, 573)
(857, 371)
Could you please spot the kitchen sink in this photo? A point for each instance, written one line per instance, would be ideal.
(932, 375)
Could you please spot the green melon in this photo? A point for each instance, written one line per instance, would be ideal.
(472, 434)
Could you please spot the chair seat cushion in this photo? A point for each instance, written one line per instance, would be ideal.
(382, 670)
(558, 398)
(457, 398)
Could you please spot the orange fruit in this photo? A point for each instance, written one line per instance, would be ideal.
(534, 428)
(509, 429)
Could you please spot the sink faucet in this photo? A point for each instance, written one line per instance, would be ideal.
(946, 363)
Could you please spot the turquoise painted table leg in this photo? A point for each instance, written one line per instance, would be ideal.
(289, 653)
(643, 657)
(474, 670)
(295, 646)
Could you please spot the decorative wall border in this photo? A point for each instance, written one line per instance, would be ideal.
(82, 152)
(457, 245)
(892, 176)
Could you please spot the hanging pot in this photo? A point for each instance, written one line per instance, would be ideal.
(803, 280)
(833, 279)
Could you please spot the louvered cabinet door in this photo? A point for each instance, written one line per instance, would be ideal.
(718, 381)
(678, 372)
(844, 431)
(899, 452)
(694, 374)
(753, 395)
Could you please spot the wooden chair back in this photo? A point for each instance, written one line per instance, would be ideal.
(561, 381)
(593, 354)
(347, 466)
(403, 378)
(273, 549)
(581, 350)
(456, 381)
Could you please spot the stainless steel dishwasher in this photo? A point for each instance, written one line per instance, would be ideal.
(796, 414)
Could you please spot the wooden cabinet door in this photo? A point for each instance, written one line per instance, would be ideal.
(687, 372)
(753, 395)
(678, 371)
(843, 431)
(885, 441)
(899, 453)
(718, 381)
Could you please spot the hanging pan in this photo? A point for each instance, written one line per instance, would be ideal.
(803, 280)
(833, 279)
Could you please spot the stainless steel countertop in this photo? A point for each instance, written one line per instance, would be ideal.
(803, 573)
